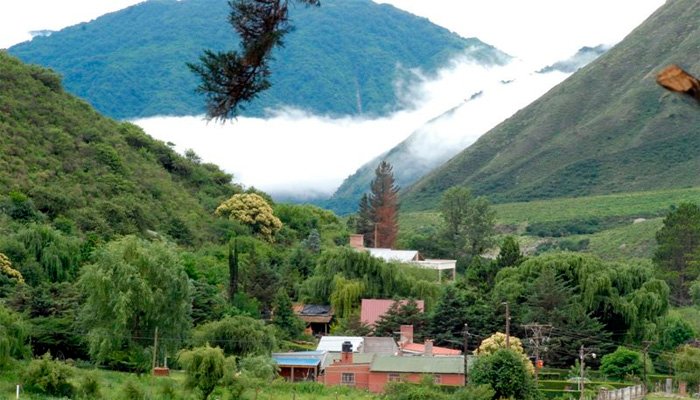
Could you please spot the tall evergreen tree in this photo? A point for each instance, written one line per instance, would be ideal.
(232, 270)
(509, 255)
(406, 313)
(364, 223)
(284, 317)
(678, 243)
(384, 202)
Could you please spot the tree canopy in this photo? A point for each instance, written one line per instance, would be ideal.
(133, 288)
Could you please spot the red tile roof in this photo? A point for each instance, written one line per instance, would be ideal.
(437, 351)
(372, 309)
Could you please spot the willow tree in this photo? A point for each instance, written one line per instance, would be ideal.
(626, 298)
(133, 288)
(229, 79)
(345, 276)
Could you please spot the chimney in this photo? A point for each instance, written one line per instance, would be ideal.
(357, 241)
(346, 355)
(406, 335)
(428, 348)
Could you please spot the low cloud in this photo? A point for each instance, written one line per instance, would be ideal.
(294, 153)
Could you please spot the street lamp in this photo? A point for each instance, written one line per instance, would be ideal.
(582, 357)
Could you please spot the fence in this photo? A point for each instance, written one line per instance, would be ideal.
(627, 393)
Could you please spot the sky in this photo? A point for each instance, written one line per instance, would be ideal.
(313, 154)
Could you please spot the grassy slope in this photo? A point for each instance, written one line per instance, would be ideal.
(608, 128)
(107, 177)
(128, 66)
(624, 240)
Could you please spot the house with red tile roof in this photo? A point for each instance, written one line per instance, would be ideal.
(408, 348)
(372, 309)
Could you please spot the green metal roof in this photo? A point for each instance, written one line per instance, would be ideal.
(418, 364)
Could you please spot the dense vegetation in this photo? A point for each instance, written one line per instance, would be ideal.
(342, 57)
(608, 128)
(118, 253)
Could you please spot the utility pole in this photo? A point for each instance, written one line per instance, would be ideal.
(582, 357)
(540, 334)
(647, 343)
(155, 348)
(507, 325)
(466, 357)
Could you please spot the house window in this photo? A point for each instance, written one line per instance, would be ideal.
(437, 379)
(394, 378)
(347, 379)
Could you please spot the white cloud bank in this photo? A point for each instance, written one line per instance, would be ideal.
(295, 153)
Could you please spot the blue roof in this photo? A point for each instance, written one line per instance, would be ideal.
(300, 361)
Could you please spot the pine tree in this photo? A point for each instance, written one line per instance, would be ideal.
(678, 250)
(406, 313)
(364, 223)
(232, 270)
(510, 255)
(384, 202)
(284, 317)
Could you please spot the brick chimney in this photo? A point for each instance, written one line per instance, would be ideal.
(346, 354)
(406, 335)
(428, 348)
(357, 241)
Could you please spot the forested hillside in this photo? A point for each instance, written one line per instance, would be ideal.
(65, 164)
(608, 128)
(342, 58)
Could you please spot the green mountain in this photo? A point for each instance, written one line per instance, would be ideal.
(609, 128)
(64, 164)
(344, 57)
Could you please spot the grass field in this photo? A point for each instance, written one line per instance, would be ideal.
(625, 240)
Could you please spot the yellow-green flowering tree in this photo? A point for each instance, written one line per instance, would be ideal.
(497, 341)
(7, 270)
(252, 210)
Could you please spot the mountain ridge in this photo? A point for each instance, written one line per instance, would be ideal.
(352, 50)
(597, 132)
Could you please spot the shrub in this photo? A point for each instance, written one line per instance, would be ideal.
(49, 377)
(622, 364)
(89, 387)
(204, 367)
(131, 390)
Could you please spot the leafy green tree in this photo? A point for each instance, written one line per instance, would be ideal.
(132, 288)
(253, 210)
(204, 368)
(313, 241)
(402, 313)
(284, 317)
(622, 364)
(53, 309)
(14, 335)
(626, 298)
(673, 332)
(237, 335)
(384, 203)
(229, 79)
(509, 255)
(256, 372)
(41, 253)
(468, 222)
(507, 374)
(678, 242)
(686, 364)
(351, 325)
(372, 277)
(208, 302)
